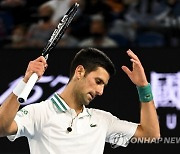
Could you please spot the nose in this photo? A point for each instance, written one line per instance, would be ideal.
(100, 90)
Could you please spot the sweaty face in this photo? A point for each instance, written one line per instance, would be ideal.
(91, 85)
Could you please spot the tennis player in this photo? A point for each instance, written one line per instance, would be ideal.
(63, 124)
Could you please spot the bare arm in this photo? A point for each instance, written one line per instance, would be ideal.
(10, 106)
(149, 125)
(8, 111)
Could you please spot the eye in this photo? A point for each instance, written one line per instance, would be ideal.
(99, 81)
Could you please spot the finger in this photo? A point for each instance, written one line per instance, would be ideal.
(45, 67)
(39, 72)
(41, 59)
(36, 67)
(126, 70)
(132, 55)
(40, 67)
(135, 61)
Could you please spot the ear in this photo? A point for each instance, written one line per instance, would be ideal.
(79, 72)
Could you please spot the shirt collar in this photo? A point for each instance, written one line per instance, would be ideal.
(59, 103)
(85, 112)
(63, 107)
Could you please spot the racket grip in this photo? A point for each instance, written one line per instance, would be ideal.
(27, 89)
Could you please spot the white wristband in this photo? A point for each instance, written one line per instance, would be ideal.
(19, 88)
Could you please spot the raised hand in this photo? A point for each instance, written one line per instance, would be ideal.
(37, 66)
(137, 74)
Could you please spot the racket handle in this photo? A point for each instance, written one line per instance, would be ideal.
(27, 89)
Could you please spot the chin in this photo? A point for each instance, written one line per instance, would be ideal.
(87, 102)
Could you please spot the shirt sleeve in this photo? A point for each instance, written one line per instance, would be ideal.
(119, 131)
(29, 121)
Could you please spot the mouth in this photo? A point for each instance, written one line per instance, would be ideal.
(91, 95)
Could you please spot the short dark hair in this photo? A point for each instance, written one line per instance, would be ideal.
(90, 59)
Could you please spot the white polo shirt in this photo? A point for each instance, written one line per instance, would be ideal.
(45, 126)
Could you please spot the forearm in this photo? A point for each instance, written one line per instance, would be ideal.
(149, 123)
(8, 111)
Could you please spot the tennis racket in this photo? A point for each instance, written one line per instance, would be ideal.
(52, 42)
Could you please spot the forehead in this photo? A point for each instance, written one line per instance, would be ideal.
(100, 73)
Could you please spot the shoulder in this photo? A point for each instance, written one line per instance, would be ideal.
(39, 108)
(100, 113)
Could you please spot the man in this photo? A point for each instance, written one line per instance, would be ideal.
(63, 124)
(98, 32)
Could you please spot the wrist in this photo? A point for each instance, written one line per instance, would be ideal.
(143, 84)
(19, 87)
(145, 93)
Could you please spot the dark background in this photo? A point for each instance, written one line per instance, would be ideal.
(120, 96)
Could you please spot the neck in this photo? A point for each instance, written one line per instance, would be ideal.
(68, 96)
